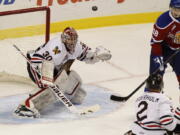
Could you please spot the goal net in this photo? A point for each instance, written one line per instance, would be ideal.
(27, 28)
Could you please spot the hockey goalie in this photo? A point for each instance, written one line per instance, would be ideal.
(50, 64)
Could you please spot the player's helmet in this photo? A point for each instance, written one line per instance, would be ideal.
(69, 37)
(175, 8)
(155, 82)
(175, 3)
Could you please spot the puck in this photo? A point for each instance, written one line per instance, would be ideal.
(94, 8)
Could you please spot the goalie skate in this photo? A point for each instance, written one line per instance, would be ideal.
(23, 112)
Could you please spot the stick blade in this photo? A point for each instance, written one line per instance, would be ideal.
(118, 98)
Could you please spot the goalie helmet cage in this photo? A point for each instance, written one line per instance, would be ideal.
(12, 65)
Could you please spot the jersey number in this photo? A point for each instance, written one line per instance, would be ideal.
(144, 105)
(47, 56)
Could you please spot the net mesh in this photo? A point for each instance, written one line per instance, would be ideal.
(15, 29)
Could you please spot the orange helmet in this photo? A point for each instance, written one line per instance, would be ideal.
(69, 37)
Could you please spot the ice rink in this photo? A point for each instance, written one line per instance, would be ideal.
(129, 45)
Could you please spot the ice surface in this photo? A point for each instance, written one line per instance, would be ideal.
(57, 112)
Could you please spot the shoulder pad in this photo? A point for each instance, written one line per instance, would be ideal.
(164, 20)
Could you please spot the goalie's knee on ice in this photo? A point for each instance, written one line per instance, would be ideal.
(79, 96)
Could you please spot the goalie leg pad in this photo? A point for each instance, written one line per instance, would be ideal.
(61, 79)
(41, 99)
(73, 83)
(69, 84)
(79, 96)
(47, 72)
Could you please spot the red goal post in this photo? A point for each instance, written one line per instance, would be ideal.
(30, 10)
(12, 65)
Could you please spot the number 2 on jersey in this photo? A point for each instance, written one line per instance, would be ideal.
(144, 105)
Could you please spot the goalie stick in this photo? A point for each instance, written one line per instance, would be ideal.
(60, 95)
(124, 99)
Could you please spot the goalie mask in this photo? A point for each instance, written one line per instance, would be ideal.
(154, 83)
(69, 37)
(175, 8)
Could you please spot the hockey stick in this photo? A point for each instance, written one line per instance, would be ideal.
(60, 95)
(124, 99)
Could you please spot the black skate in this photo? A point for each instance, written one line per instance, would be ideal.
(23, 111)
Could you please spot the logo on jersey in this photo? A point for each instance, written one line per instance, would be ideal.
(177, 38)
(7, 2)
(56, 50)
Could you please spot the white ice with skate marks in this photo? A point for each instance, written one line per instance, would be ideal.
(58, 112)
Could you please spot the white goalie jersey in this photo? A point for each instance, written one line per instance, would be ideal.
(56, 51)
(154, 114)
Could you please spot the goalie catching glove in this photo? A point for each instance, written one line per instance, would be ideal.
(100, 53)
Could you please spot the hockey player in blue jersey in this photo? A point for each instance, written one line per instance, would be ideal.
(166, 40)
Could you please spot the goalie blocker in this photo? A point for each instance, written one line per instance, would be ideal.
(70, 86)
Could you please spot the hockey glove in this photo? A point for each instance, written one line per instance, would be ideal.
(158, 60)
(102, 53)
(91, 58)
